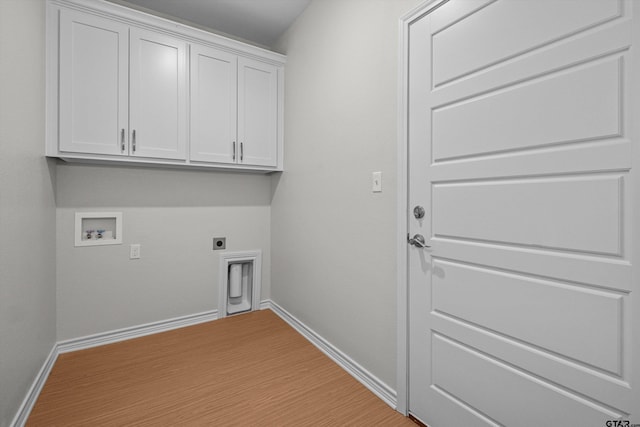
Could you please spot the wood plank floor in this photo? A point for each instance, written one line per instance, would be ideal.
(251, 369)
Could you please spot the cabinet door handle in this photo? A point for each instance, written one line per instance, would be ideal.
(133, 140)
(234, 151)
(122, 140)
(241, 151)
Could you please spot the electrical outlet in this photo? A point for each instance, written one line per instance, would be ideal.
(134, 251)
(219, 243)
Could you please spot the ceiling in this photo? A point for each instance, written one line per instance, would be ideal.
(258, 21)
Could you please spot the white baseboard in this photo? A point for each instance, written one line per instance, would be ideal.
(373, 383)
(101, 339)
(135, 331)
(29, 401)
(265, 304)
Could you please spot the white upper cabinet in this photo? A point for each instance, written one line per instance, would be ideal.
(257, 112)
(234, 109)
(127, 87)
(158, 96)
(122, 90)
(213, 105)
(94, 99)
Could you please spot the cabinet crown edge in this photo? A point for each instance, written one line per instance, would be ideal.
(137, 18)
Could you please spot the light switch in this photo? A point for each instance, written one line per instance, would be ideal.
(376, 182)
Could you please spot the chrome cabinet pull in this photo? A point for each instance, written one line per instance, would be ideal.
(133, 141)
(234, 151)
(241, 151)
(122, 140)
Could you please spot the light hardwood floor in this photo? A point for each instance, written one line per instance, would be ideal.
(250, 369)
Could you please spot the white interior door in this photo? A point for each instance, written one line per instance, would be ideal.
(523, 137)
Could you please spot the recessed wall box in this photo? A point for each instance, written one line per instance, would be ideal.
(98, 228)
(219, 243)
(240, 282)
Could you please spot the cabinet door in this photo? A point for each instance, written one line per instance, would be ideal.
(157, 96)
(213, 105)
(257, 112)
(93, 111)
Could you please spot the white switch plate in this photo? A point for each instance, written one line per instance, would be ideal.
(376, 182)
(134, 251)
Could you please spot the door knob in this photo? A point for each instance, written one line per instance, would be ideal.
(418, 212)
(418, 241)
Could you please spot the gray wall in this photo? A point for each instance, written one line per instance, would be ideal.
(333, 252)
(27, 208)
(173, 214)
(333, 244)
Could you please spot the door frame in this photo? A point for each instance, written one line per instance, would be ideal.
(402, 260)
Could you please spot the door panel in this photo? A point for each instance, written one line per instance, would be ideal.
(530, 25)
(586, 106)
(522, 152)
(511, 305)
(93, 84)
(213, 105)
(158, 96)
(257, 112)
(505, 394)
(569, 214)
